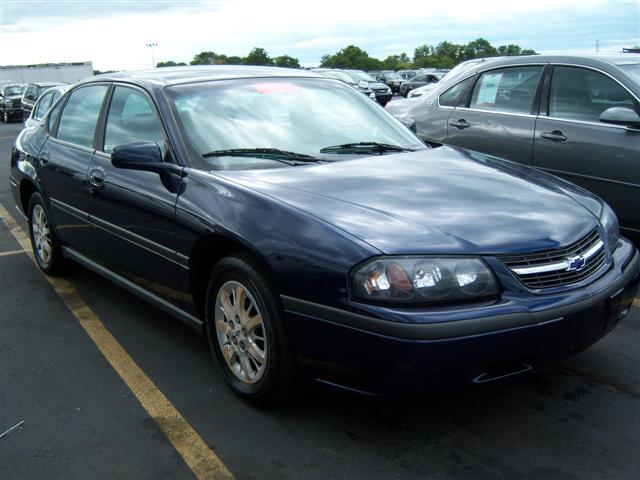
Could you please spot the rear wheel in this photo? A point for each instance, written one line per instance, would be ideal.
(45, 245)
(247, 333)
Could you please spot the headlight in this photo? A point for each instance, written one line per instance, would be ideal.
(419, 280)
(7, 103)
(611, 226)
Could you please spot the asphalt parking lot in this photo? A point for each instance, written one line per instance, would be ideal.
(578, 419)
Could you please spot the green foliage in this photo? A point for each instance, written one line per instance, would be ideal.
(208, 58)
(170, 63)
(258, 56)
(287, 61)
(351, 57)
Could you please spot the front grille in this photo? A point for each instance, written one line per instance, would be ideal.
(380, 90)
(557, 268)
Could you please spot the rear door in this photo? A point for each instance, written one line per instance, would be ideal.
(64, 162)
(499, 115)
(134, 211)
(570, 140)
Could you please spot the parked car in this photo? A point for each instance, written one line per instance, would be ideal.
(574, 116)
(307, 233)
(382, 92)
(419, 81)
(408, 74)
(389, 78)
(42, 105)
(11, 101)
(362, 86)
(32, 93)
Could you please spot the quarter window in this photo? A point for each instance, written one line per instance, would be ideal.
(131, 119)
(509, 90)
(582, 94)
(80, 115)
(451, 97)
(43, 106)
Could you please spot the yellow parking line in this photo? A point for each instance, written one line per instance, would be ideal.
(636, 302)
(11, 252)
(204, 463)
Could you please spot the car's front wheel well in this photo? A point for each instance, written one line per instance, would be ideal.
(208, 251)
(26, 190)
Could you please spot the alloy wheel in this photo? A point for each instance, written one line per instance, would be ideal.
(241, 333)
(41, 234)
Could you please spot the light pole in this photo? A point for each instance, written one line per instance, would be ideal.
(152, 46)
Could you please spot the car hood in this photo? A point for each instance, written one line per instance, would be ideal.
(441, 200)
(378, 85)
(13, 97)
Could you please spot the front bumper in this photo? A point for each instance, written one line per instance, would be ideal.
(12, 112)
(377, 355)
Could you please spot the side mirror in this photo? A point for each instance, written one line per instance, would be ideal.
(31, 97)
(145, 156)
(408, 122)
(620, 116)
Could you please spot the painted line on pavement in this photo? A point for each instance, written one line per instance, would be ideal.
(11, 252)
(204, 463)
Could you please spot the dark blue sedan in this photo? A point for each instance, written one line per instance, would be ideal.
(311, 235)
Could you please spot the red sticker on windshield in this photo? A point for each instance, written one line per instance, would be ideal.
(275, 87)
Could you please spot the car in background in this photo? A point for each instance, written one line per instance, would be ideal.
(307, 234)
(32, 93)
(573, 116)
(11, 101)
(408, 74)
(419, 81)
(361, 86)
(382, 92)
(42, 105)
(389, 78)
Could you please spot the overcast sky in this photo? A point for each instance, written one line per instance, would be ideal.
(113, 34)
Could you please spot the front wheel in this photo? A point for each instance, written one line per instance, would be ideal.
(246, 332)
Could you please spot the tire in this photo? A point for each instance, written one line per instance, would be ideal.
(235, 342)
(45, 244)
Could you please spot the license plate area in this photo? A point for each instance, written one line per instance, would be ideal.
(616, 308)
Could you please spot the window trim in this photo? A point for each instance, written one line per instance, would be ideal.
(463, 94)
(53, 134)
(587, 122)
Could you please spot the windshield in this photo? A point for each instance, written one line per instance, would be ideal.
(11, 91)
(303, 116)
(361, 76)
(633, 70)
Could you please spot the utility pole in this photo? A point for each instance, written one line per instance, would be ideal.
(597, 45)
(152, 46)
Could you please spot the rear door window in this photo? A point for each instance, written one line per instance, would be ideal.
(78, 120)
(510, 90)
(43, 106)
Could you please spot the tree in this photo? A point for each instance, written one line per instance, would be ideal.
(287, 61)
(234, 60)
(258, 56)
(479, 48)
(528, 51)
(351, 57)
(205, 58)
(170, 63)
(421, 53)
(397, 62)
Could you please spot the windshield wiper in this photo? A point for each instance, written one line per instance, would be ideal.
(362, 147)
(269, 153)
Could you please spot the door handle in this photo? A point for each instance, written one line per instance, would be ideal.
(462, 123)
(96, 179)
(555, 136)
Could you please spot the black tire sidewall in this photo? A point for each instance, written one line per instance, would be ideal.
(245, 272)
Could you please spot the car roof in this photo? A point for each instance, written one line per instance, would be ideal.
(47, 84)
(165, 76)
